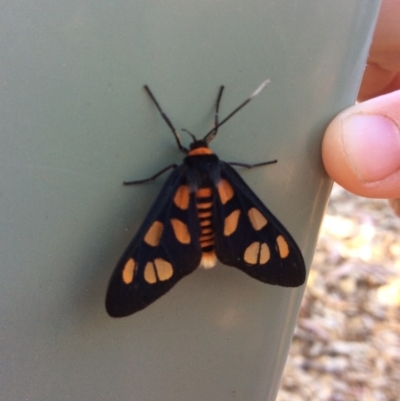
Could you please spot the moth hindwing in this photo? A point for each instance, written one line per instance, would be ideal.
(205, 212)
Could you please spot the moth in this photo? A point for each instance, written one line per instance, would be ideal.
(205, 212)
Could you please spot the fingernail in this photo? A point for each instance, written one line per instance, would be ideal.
(372, 145)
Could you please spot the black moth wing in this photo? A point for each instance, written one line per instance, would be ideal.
(249, 237)
(146, 272)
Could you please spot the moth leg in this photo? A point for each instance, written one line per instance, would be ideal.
(153, 177)
(245, 165)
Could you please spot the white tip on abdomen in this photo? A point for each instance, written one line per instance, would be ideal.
(208, 260)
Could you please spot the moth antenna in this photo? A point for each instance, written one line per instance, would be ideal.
(166, 119)
(210, 135)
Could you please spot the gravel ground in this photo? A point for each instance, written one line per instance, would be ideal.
(347, 343)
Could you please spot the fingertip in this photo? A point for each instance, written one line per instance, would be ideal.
(361, 149)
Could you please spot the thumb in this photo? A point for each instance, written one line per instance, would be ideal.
(361, 147)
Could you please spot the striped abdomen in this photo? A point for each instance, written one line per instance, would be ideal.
(204, 204)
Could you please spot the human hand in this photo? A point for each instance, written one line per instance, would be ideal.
(361, 147)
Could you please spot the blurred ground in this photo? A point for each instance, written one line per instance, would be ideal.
(347, 343)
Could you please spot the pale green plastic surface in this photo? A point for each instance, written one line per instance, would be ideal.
(75, 122)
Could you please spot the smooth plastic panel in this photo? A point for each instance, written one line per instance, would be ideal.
(75, 122)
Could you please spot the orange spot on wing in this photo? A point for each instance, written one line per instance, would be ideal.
(181, 231)
(257, 253)
(264, 253)
(129, 271)
(251, 253)
(149, 273)
(182, 197)
(231, 222)
(258, 221)
(164, 269)
(225, 191)
(154, 233)
(158, 270)
(283, 246)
